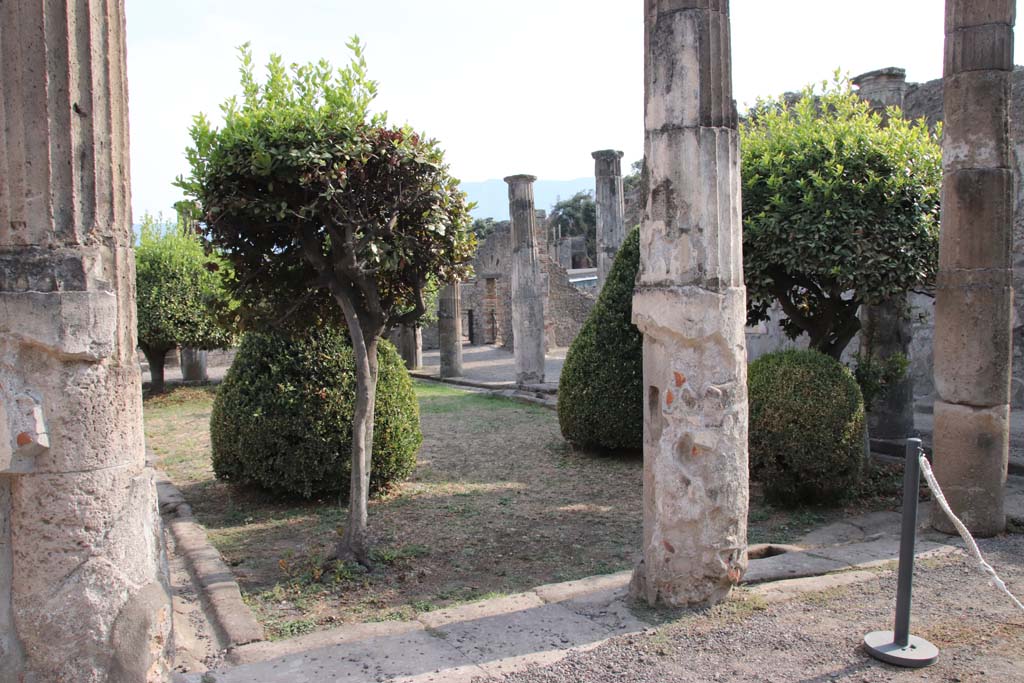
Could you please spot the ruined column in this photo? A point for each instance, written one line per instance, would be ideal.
(528, 342)
(83, 595)
(974, 297)
(690, 306)
(410, 345)
(611, 209)
(886, 328)
(449, 327)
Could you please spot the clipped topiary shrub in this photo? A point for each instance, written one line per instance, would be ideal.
(806, 427)
(600, 393)
(282, 419)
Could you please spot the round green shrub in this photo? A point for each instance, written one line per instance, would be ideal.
(806, 427)
(282, 419)
(600, 392)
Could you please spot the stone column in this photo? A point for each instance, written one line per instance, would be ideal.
(449, 327)
(410, 345)
(83, 594)
(886, 328)
(528, 342)
(974, 301)
(690, 306)
(611, 209)
(194, 365)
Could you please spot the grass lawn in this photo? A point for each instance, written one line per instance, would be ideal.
(498, 503)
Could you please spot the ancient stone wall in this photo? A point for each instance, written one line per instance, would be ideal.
(567, 307)
(489, 294)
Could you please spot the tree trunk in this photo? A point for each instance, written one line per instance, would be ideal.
(155, 358)
(354, 543)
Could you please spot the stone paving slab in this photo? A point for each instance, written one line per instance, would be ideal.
(581, 588)
(415, 655)
(872, 553)
(351, 633)
(780, 591)
(790, 566)
(547, 628)
(477, 611)
(609, 607)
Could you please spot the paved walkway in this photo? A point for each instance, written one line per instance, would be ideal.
(492, 367)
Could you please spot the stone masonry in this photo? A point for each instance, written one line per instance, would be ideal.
(611, 209)
(974, 291)
(83, 594)
(527, 287)
(690, 306)
(487, 299)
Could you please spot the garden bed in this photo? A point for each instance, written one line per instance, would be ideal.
(498, 503)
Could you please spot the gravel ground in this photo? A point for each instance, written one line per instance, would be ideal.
(817, 638)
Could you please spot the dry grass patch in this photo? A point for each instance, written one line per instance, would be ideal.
(498, 503)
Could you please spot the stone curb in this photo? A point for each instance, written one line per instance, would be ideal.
(232, 621)
(789, 589)
(463, 382)
(834, 559)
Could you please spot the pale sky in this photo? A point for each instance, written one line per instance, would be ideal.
(527, 86)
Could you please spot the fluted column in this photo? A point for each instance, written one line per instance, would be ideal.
(974, 300)
(449, 326)
(83, 593)
(886, 328)
(690, 305)
(611, 209)
(527, 287)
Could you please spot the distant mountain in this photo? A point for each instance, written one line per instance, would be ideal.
(491, 196)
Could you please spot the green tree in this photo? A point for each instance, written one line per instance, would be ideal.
(604, 366)
(631, 181)
(311, 197)
(839, 210)
(574, 217)
(484, 227)
(180, 293)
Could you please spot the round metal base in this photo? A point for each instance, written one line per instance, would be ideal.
(917, 653)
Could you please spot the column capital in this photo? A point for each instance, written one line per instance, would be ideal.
(520, 179)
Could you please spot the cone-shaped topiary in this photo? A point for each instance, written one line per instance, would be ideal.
(806, 427)
(600, 393)
(282, 419)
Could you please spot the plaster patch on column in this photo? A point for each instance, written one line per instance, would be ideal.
(23, 431)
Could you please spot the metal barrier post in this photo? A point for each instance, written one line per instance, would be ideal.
(898, 646)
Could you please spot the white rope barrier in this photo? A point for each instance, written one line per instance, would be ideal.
(929, 476)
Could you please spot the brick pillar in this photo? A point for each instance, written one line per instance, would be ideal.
(611, 208)
(449, 326)
(83, 594)
(528, 338)
(886, 328)
(974, 302)
(690, 304)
